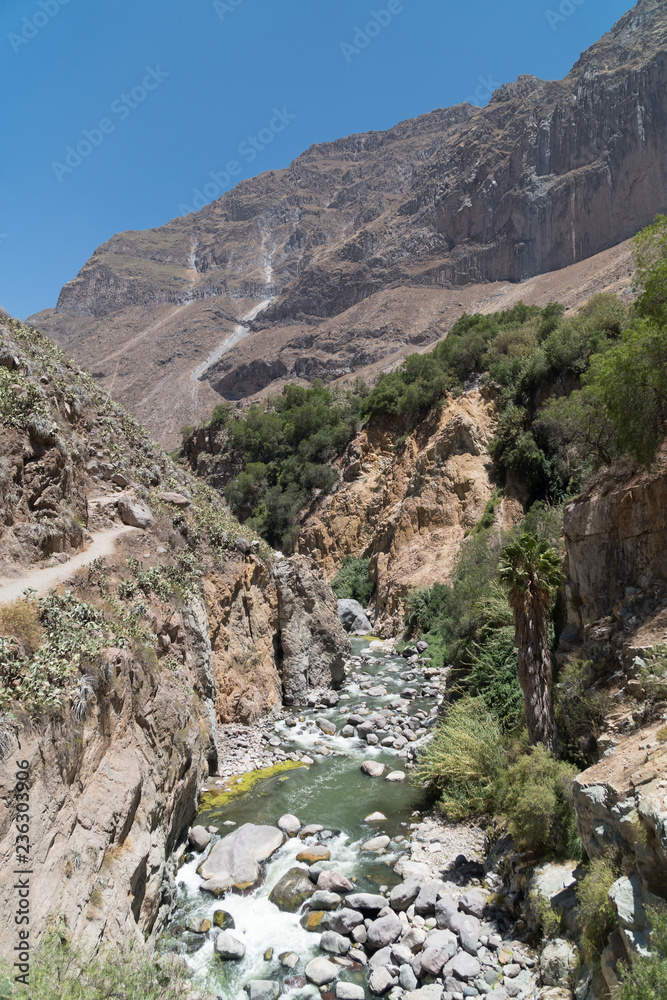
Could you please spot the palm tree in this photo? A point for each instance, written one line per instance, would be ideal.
(531, 572)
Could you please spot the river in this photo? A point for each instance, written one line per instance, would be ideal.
(333, 792)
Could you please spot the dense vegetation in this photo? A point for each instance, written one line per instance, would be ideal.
(284, 450)
(352, 581)
(574, 392)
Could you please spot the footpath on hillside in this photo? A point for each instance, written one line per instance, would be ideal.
(44, 579)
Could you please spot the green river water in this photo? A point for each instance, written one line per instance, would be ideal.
(333, 792)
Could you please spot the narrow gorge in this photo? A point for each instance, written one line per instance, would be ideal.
(360, 689)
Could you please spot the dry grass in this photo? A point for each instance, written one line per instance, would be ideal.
(20, 620)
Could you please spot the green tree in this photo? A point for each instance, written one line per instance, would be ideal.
(530, 570)
(631, 381)
(650, 252)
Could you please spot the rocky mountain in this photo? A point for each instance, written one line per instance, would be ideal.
(367, 247)
(152, 618)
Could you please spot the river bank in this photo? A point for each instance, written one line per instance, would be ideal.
(355, 889)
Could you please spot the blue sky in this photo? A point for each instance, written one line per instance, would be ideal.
(151, 96)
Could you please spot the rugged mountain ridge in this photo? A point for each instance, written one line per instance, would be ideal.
(547, 175)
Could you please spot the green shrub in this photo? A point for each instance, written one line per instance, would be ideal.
(352, 582)
(537, 802)
(60, 972)
(493, 676)
(596, 914)
(284, 450)
(646, 979)
(631, 381)
(464, 760)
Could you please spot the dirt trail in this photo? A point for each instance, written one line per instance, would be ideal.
(42, 580)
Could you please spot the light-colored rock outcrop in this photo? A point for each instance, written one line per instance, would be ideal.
(275, 635)
(409, 509)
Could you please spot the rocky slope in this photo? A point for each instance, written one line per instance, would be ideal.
(617, 615)
(409, 508)
(547, 175)
(188, 622)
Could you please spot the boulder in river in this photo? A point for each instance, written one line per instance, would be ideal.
(293, 889)
(199, 838)
(229, 948)
(326, 726)
(223, 920)
(353, 617)
(345, 920)
(373, 768)
(367, 901)
(333, 881)
(395, 776)
(376, 817)
(321, 971)
(349, 991)
(323, 900)
(311, 855)
(235, 860)
(381, 981)
(310, 830)
(289, 959)
(198, 926)
(262, 989)
(404, 894)
(334, 943)
(315, 921)
(289, 824)
(384, 931)
(376, 844)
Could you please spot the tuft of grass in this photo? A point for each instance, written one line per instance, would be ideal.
(596, 913)
(464, 761)
(58, 971)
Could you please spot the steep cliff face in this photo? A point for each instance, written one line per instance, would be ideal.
(545, 176)
(111, 796)
(408, 507)
(275, 635)
(616, 538)
(617, 611)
